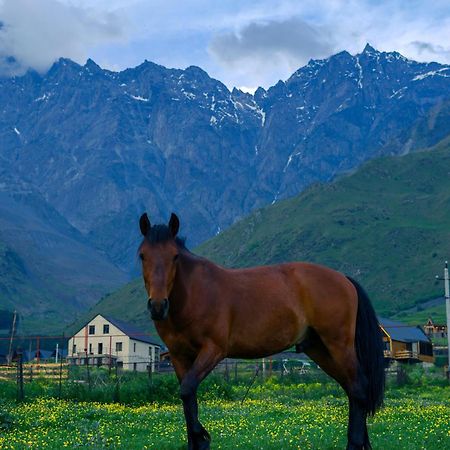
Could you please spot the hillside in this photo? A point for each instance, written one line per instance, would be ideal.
(387, 225)
(129, 303)
(48, 273)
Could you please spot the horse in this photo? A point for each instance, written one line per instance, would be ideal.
(204, 313)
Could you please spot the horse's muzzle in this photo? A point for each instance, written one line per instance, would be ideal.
(158, 309)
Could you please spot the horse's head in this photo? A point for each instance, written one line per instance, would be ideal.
(159, 253)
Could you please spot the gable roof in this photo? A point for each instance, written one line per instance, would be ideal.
(401, 332)
(130, 330)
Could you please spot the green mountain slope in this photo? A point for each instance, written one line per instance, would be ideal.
(387, 225)
(128, 303)
(48, 273)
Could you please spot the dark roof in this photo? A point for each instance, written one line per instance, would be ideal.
(28, 355)
(131, 331)
(401, 332)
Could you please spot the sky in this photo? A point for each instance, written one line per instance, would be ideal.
(243, 43)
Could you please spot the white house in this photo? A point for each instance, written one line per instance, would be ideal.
(106, 341)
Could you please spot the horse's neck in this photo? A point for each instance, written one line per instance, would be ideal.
(187, 273)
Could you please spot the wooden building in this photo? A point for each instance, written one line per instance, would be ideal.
(434, 330)
(105, 341)
(405, 343)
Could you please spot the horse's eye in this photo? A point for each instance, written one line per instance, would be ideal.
(141, 256)
(175, 258)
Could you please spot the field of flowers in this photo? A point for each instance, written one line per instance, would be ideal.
(413, 418)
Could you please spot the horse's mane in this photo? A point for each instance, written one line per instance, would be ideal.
(161, 233)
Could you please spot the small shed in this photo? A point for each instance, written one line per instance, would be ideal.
(405, 342)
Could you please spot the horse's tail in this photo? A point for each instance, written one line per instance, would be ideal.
(369, 350)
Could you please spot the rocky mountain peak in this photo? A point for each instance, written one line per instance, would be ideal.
(100, 146)
(369, 50)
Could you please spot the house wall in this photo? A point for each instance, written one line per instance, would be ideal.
(398, 347)
(414, 347)
(130, 358)
(92, 340)
(139, 355)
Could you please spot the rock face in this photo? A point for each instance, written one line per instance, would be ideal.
(101, 147)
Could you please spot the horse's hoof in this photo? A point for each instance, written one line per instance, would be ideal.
(204, 446)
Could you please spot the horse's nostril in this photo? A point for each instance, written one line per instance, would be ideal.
(158, 309)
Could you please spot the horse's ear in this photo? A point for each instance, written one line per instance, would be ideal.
(144, 224)
(174, 224)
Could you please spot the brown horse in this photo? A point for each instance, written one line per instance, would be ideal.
(204, 313)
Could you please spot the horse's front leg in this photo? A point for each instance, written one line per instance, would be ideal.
(206, 360)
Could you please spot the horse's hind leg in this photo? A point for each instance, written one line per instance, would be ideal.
(340, 362)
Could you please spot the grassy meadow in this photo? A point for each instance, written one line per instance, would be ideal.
(276, 414)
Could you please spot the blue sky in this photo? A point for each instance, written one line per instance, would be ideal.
(243, 43)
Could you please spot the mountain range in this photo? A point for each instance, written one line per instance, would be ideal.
(84, 151)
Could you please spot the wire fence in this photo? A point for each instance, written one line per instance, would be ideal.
(110, 364)
(114, 383)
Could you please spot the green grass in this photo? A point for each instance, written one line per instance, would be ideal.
(421, 315)
(411, 419)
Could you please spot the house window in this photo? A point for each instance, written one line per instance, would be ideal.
(120, 364)
(135, 366)
(91, 329)
(156, 353)
(90, 349)
(118, 346)
(105, 328)
(74, 349)
(150, 351)
(134, 347)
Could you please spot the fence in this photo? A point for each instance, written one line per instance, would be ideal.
(90, 382)
(48, 371)
(109, 380)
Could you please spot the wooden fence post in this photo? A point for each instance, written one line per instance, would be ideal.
(227, 372)
(20, 392)
(116, 387)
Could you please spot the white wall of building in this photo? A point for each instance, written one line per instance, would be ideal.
(131, 353)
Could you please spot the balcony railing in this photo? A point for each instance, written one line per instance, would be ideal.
(401, 354)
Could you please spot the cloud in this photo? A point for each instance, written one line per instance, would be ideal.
(289, 42)
(34, 34)
(425, 49)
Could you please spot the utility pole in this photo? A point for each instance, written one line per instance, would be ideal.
(13, 329)
(447, 308)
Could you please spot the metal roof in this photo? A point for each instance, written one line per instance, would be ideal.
(401, 332)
